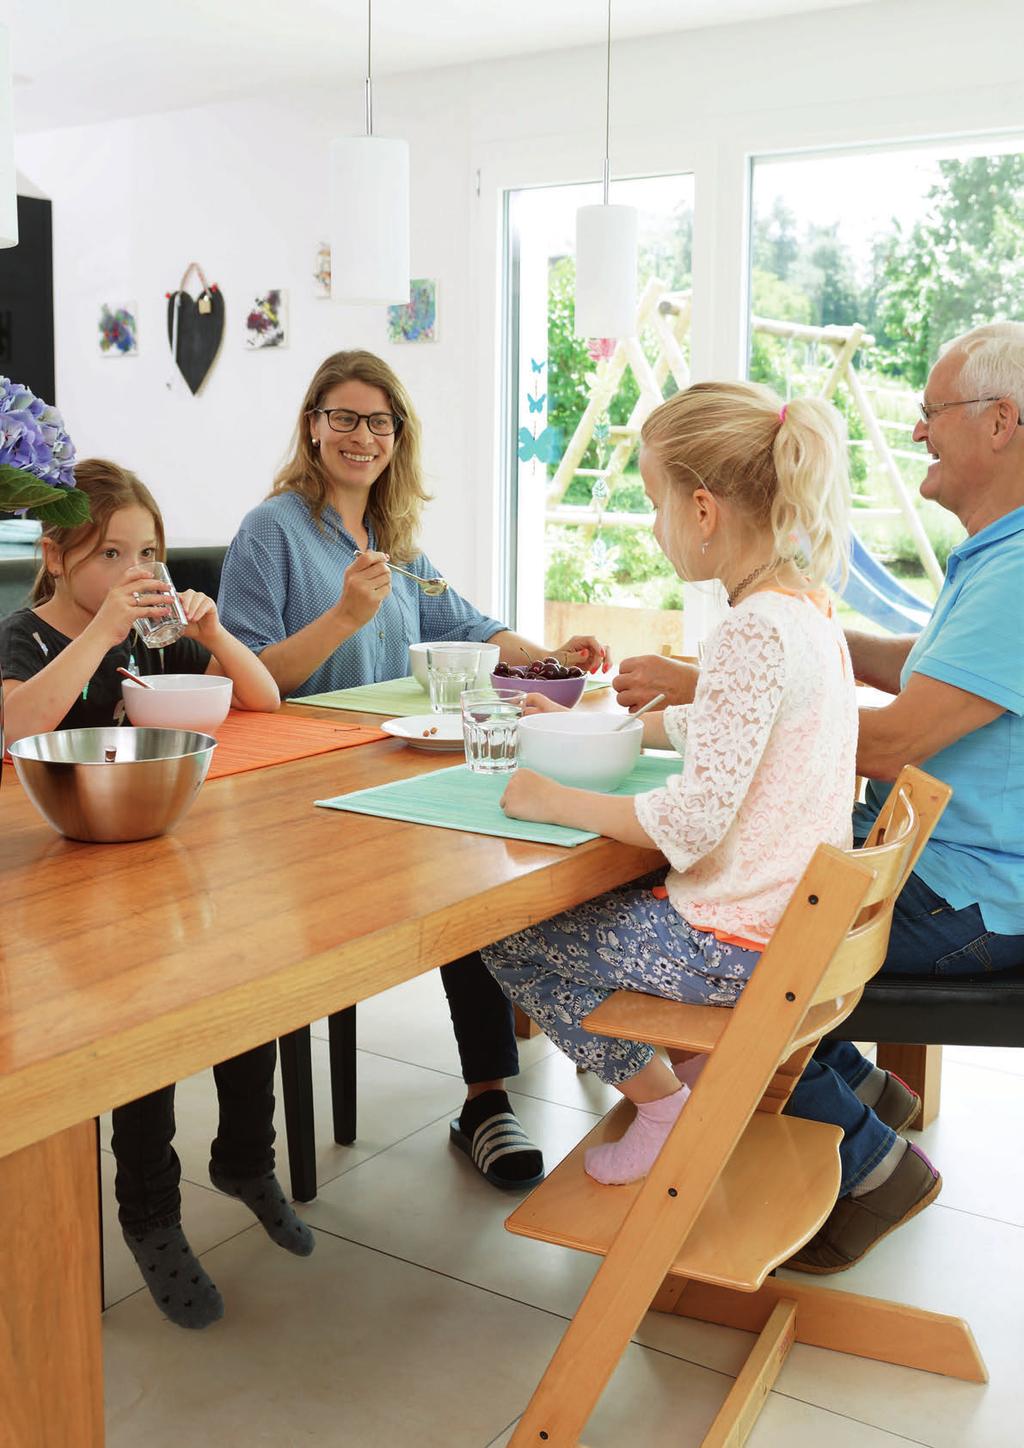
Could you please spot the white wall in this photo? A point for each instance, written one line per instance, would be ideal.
(241, 189)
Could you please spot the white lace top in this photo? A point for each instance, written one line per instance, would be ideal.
(769, 746)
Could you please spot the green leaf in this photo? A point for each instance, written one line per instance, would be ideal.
(66, 507)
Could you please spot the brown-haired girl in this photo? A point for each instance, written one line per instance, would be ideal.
(60, 658)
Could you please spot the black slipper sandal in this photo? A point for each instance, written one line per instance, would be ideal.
(499, 1147)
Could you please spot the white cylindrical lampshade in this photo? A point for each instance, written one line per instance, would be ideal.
(8, 176)
(606, 271)
(369, 220)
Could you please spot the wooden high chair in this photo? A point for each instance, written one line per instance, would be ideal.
(739, 1187)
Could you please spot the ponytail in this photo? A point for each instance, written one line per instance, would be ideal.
(811, 503)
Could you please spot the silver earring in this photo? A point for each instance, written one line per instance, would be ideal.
(704, 546)
(315, 441)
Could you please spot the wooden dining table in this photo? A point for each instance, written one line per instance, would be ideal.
(126, 967)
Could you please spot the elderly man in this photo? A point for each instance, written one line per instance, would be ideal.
(958, 712)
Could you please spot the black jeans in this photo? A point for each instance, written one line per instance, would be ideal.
(483, 1020)
(148, 1178)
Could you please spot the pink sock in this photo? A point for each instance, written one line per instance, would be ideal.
(632, 1157)
(688, 1071)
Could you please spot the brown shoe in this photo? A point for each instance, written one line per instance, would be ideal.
(856, 1224)
(898, 1105)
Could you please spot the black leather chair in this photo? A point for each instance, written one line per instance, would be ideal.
(911, 1016)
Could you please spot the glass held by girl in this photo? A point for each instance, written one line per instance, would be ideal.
(60, 658)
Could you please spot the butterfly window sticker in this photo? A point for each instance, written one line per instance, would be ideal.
(538, 445)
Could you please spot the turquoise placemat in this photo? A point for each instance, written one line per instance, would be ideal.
(455, 799)
(394, 699)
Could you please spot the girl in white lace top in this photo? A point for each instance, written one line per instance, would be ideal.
(754, 493)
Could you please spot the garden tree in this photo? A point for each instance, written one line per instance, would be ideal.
(824, 272)
(775, 244)
(961, 264)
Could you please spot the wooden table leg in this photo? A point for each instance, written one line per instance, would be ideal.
(921, 1068)
(51, 1360)
(526, 1028)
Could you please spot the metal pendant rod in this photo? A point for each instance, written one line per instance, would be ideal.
(369, 67)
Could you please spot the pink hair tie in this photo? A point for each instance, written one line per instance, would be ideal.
(782, 412)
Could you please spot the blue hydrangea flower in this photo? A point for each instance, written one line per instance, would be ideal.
(32, 436)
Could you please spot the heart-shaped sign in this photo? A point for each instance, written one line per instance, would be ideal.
(195, 327)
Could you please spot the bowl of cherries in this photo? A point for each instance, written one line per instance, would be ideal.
(559, 682)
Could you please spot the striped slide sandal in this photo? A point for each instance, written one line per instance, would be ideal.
(489, 1133)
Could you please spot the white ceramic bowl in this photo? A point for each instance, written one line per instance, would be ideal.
(581, 749)
(489, 656)
(179, 701)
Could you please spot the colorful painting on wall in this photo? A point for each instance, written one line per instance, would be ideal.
(266, 324)
(416, 321)
(119, 335)
(322, 271)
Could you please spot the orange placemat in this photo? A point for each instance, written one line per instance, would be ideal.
(256, 741)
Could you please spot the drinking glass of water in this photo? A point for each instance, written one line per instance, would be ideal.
(157, 633)
(451, 668)
(490, 729)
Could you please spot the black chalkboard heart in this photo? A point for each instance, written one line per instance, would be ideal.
(195, 334)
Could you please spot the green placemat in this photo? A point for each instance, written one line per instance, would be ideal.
(393, 699)
(455, 799)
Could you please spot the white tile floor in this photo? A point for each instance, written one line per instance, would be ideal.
(419, 1320)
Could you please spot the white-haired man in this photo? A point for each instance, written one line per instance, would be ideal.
(958, 712)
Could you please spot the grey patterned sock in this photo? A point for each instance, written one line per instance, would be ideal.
(264, 1197)
(175, 1277)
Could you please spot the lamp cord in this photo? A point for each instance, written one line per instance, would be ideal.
(608, 105)
(369, 67)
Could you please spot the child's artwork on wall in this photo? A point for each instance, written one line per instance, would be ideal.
(322, 271)
(266, 324)
(119, 335)
(416, 321)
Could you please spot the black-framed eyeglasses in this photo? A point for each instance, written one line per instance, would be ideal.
(928, 409)
(340, 419)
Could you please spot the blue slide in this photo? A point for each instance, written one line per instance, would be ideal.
(874, 592)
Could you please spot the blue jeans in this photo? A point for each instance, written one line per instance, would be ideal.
(928, 937)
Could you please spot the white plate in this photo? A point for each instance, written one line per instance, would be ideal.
(427, 731)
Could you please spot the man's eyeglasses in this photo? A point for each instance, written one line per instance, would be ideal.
(339, 419)
(929, 409)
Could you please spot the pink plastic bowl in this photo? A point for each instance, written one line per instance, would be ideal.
(566, 692)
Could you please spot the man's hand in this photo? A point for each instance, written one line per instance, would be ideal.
(640, 679)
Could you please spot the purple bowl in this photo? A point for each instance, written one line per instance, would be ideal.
(566, 692)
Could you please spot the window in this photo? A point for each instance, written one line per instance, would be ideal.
(585, 560)
(862, 265)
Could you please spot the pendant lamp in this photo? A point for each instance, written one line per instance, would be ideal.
(369, 210)
(8, 176)
(606, 243)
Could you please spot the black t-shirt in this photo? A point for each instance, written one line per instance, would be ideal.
(28, 644)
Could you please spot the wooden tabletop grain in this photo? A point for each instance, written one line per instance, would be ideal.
(124, 967)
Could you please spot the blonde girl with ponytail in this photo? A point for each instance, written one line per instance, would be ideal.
(753, 492)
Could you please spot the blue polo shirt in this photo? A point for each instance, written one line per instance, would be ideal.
(975, 641)
(283, 572)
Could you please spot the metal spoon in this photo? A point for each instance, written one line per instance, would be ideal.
(658, 699)
(432, 587)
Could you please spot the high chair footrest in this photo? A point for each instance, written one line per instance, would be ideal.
(778, 1187)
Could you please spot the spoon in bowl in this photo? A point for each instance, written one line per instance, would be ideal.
(134, 678)
(658, 699)
(432, 587)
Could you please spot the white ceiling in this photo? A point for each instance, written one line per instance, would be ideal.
(78, 61)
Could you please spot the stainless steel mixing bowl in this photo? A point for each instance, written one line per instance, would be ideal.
(111, 785)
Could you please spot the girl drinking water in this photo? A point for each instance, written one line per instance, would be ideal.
(753, 493)
(60, 659)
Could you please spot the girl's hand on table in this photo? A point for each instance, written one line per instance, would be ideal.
(530, 796)
(366, 585)
(135, 595)
(587, 653)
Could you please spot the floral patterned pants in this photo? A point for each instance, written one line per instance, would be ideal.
(561, 970)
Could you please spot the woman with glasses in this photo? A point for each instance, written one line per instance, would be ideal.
(306, 585)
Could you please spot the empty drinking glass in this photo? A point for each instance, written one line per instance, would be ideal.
(451, 668)
(490, 729)
(157, 633)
